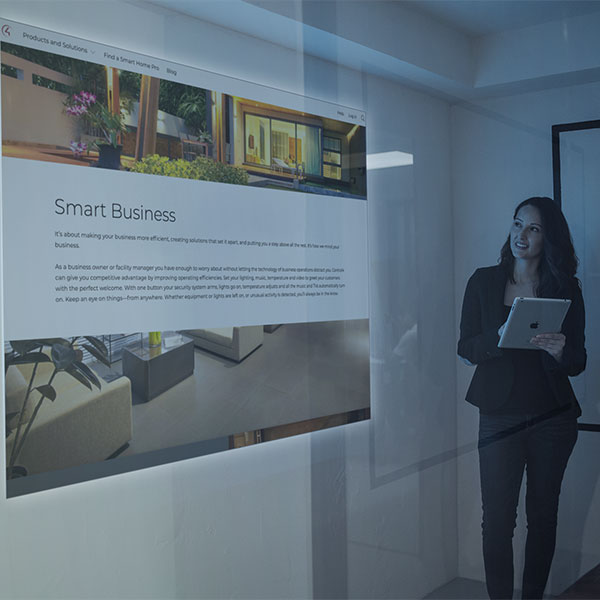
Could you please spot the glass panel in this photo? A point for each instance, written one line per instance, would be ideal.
(309, 149)
(332, 157)
(580, 189)
(283, 141)
(332, 172)
(57, 86)
(10, 71)
(281, 148)
(258, 140)
(332, 144)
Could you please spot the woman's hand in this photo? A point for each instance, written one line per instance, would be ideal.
(501, 329)
(552, 343)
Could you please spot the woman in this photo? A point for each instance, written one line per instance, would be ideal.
(528, 411)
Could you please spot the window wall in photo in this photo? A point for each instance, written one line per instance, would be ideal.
(258, 141)
(332, 157)
(309, 148)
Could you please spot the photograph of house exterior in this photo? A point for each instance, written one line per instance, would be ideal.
(66, 110)
(286, 149)
(75, 112)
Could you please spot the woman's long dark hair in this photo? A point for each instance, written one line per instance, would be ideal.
(558, 264)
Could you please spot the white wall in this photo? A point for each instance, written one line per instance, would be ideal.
(368, 510)
(553, 48)
(20, 99)
(444, 51)
(502, 154)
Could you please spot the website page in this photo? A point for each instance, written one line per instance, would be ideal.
(184, 261)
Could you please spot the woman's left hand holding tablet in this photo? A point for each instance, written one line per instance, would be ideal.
(552, 343)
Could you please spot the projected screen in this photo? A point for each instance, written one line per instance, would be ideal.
(185, 261)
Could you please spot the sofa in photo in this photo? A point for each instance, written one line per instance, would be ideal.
(234, 343)
(80, 426)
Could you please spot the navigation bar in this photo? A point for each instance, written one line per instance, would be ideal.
(41, 39)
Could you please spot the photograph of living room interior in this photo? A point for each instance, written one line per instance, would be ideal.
(250, 384)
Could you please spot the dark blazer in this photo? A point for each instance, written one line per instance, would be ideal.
(483, 313)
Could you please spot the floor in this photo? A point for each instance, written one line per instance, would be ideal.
(302, 371)
(57, 154)
(460, 589)
(587, 588)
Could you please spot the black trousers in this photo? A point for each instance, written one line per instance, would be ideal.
(509, 444)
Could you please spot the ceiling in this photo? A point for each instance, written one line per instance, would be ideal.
(457, 49)
(482, 17)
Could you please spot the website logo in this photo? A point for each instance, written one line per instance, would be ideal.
(6, 30)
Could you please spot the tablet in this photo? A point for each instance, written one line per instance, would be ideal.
(532, 316)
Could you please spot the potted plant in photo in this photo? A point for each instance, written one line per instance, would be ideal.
(32, 384)
(84, 105)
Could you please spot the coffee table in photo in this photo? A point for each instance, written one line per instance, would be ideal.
(153, 370)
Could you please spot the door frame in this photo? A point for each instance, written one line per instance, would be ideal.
(556, 176)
